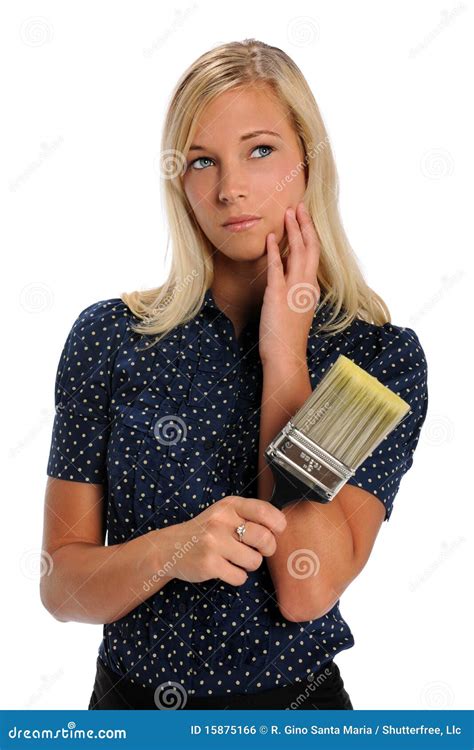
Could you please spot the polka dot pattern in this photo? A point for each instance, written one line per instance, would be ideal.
(171, 429)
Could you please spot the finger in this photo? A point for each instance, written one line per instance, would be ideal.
(241, 554)
(297, 247)
(275, 272)
(260, 538)
(262, 512)
(309, 235)
(231, 574)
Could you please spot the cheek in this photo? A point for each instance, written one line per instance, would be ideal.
(197, 200)
(292, 182)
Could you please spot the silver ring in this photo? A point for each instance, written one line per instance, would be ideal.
(240, 530)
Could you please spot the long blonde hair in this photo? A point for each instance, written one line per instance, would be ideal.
(229, 66)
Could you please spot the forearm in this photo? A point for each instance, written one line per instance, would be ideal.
(100, 584)
(285, 388)
(319, 532)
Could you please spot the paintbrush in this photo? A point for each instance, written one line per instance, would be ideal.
(345, 418)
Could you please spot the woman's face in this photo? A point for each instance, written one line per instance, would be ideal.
(231, 174)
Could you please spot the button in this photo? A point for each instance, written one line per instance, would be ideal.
(182, 608)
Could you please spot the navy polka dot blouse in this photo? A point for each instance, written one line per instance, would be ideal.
(117, 405)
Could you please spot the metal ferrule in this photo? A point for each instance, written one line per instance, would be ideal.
(307, 461)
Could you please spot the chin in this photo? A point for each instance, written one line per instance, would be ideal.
(249, 254)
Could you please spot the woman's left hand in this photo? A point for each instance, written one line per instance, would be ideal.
(292, 294)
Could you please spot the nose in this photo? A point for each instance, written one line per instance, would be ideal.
(231, 186)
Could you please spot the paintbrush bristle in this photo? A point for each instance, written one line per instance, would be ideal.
(350, 412)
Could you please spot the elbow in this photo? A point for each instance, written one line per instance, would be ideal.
(298, 610)
(48, 604)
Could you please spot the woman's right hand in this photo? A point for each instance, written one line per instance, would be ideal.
(207, 546)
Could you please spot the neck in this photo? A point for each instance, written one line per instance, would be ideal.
(239, 286)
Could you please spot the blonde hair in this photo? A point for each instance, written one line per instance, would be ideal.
(230, 66)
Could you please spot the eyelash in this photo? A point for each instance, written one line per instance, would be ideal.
(208, 158)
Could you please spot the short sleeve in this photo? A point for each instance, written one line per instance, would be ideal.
(82, 394)
(401, 366)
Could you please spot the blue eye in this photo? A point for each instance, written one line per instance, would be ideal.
(207, 158)
(270, 147)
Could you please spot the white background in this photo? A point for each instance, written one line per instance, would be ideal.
(84, 89)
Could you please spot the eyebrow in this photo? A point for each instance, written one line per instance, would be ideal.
(245, 137)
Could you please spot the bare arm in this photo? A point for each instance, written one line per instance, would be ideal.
(87, 581)
(333, 540)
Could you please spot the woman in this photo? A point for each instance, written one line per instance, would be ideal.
(166, 399)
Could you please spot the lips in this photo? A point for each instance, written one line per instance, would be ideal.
(241, 226)
(240, 219)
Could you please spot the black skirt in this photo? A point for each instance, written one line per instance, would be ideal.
(324, 691)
